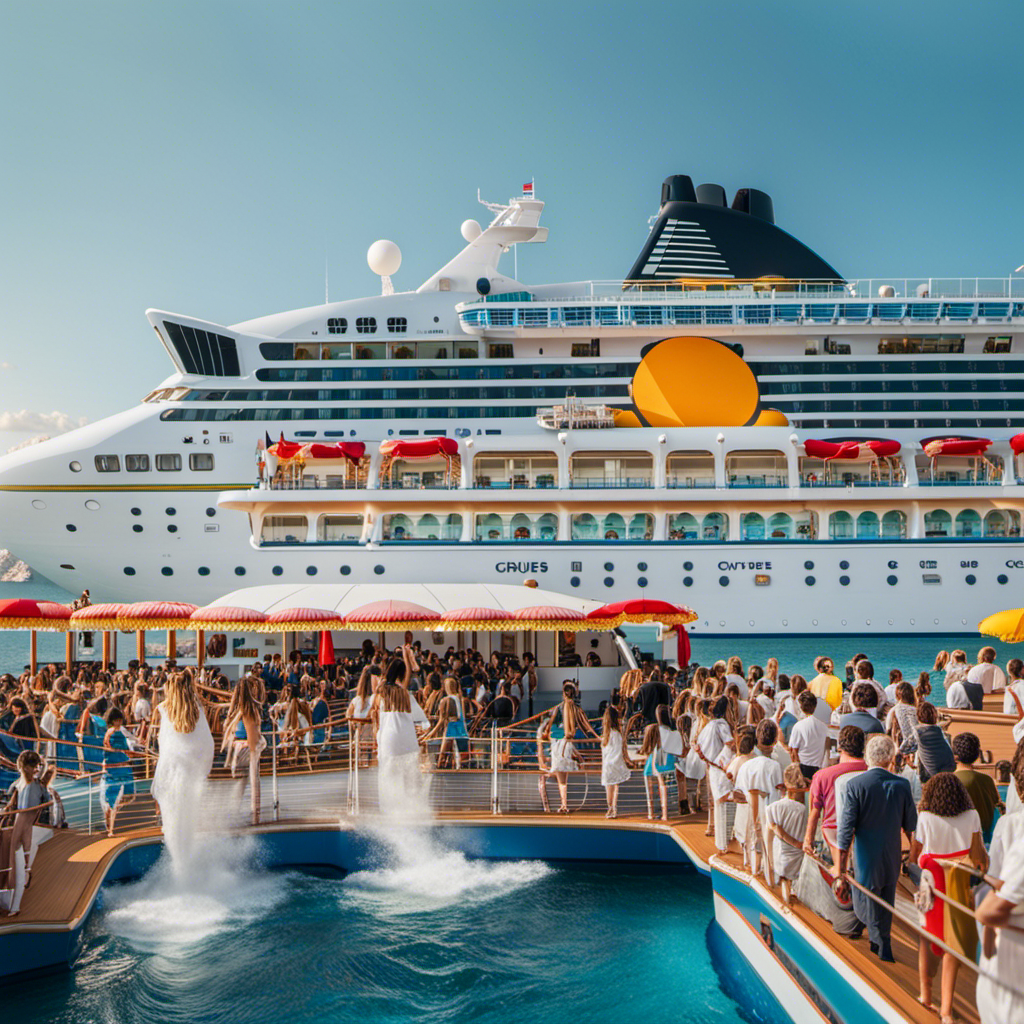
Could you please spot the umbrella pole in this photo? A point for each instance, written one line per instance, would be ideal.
(200, 648)
(69, 650)
(140, 645)
(106, 649)
(284, 654)
(32, 651)
(172, 643)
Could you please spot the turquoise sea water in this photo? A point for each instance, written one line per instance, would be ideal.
(445, 941)
(796, 654)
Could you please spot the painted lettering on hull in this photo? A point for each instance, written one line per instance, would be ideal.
(521, 567)
(733, 566)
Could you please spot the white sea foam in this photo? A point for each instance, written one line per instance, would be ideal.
(171, 910)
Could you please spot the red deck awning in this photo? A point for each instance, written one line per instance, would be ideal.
(934, 446)
(351, 450)
(870, 449)
(1017, 443)
(423, 448)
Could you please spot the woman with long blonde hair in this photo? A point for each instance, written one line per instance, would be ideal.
(560, 736)
(358, 714)
(244, 742)
(186, 754)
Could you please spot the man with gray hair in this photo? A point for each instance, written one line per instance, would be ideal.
(878, 806)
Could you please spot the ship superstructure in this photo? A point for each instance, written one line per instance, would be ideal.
(734, 423)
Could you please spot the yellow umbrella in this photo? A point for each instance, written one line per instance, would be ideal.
(1008, 625)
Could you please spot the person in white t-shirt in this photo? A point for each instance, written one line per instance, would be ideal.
(865, 673)
(786, 820)
(895, 678)
(808, 737)
(142, 710)
(734, 674)
(986, 672)
(1014, 685)
(760, 782)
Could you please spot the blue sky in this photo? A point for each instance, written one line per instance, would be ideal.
(207, 157)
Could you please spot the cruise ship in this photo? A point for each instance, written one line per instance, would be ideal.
(734, 424)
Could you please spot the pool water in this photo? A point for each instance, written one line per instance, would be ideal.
(439, 939)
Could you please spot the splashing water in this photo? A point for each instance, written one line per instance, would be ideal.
(170, 910)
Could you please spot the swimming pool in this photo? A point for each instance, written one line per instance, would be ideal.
(425, 934)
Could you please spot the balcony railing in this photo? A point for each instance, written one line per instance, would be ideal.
(759, 480)
(517, 482)
(587, 482)
(690, 481)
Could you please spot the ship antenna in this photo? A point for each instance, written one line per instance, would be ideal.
(327, 287)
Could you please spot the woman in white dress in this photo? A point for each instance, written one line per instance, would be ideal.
(398, 745)
(184, 762)
(673, 742)
(560, 731)
(615, 763)
(358, 715)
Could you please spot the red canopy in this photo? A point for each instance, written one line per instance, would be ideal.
(870, 449)
(424, 448)
(392, 611)
(1017, 443)
(471, 615)
(682, 646)
(24, 613)
(159, 610)
(934, 446)
(293, 615)
(351, 450)
(95, 612)
(549, 613)
(227, 613)
(284, 449)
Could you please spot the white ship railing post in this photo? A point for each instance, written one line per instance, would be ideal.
(495, 809)
(90, 803)
(273, 771)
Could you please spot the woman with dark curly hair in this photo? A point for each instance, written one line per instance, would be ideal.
(948, 829)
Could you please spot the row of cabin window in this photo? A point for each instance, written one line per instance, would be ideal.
(367, 325)
(200, 462)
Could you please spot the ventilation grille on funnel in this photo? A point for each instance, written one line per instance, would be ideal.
(684, 249)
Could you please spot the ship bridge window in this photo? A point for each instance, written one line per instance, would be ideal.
(108, 464)
(366, 325)
(170, 463)
(283, 530)
(938, 523)
(200, 462)
(203, 352)
(337, 325)
(1002, 523)
(398, 324)
(339, 528)
(691, 469)
(586, 348)
(136, 463)
(500, 351)
(967, 523)
(922, 343)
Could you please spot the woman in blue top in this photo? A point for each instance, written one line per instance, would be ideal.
(67, 729)
(321, 712)
(91, 729)
(118, 786)
(456, 736)
(660, 766)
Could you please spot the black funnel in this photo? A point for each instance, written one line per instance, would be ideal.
(678, 188)
(711, 195)
(756, 203)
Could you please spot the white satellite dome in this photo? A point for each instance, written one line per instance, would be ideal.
(471, 230)
(384, 257)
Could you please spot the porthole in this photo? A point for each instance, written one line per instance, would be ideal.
(64, 565)
(239, 570)
(785, 622)
(814, 622)
(75, 467)
(379, 570)
(809, 580)
(171, 511)
(71, 527)
(172, 528)
(129, 571)
(844, 564)
(167, 570)
(277, 570)
(723, 581)
(808, 566)
(867, 622)
(137, 527)
(892, 580)
(346, 569)
(893, 564)
(310, 570)
(890, 622)
(688, 566)
(687, 581)
(609, 582)
(642, 582)
(203, 570)
(970, 579)
(136, 511)
(641, 566)
(211, 511)
(750, 622)
(721, 622)
(608, 566)
(913, 622)
(844, 581)
(39, 504)
(1002, 579)
(574, 581)
(842, 622)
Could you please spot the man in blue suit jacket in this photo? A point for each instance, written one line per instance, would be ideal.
(879, 805)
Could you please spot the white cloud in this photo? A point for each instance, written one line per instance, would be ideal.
(27, 422)
(6, 366)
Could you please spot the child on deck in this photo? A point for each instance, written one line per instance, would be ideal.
(660, 765)
(615, 762)
(26, 795)
(787, 821)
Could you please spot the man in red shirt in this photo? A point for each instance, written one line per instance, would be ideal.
(823, 789)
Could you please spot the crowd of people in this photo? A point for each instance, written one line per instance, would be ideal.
(828, 787)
